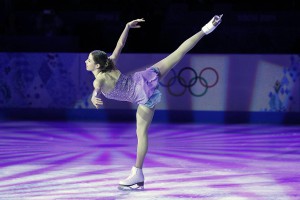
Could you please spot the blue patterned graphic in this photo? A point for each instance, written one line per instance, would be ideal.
(37, 80)
(282, 97)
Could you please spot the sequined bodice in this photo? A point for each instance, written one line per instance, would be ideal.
(134, 88)
(125, 89)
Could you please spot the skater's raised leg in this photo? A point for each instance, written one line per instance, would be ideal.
(170, 61)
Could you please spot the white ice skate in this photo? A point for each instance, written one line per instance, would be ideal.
(212, 24)
(135, 181)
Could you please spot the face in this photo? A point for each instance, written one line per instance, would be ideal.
(90, 63)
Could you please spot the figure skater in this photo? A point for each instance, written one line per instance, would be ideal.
(140, 88)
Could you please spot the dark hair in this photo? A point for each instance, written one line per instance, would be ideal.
(106, 64)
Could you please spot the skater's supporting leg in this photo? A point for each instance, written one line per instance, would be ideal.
(135, 180)
(144, 117)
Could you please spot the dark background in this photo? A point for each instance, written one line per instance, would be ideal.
(85, 25)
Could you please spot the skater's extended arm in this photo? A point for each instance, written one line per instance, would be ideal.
(122, 40)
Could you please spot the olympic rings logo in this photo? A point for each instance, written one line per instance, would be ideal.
(190, 84)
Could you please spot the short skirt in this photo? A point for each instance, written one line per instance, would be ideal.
(155, 98)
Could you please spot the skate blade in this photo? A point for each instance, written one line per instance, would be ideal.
(135, 187)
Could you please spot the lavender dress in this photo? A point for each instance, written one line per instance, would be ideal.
(140, 88)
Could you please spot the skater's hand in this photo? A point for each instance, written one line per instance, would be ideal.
(97, 102)
(134, 23)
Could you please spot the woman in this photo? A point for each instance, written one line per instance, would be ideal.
(140, 88)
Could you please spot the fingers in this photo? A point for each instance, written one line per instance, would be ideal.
(97, 102)
(141, 20)
(134, 23)
(98, 105)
